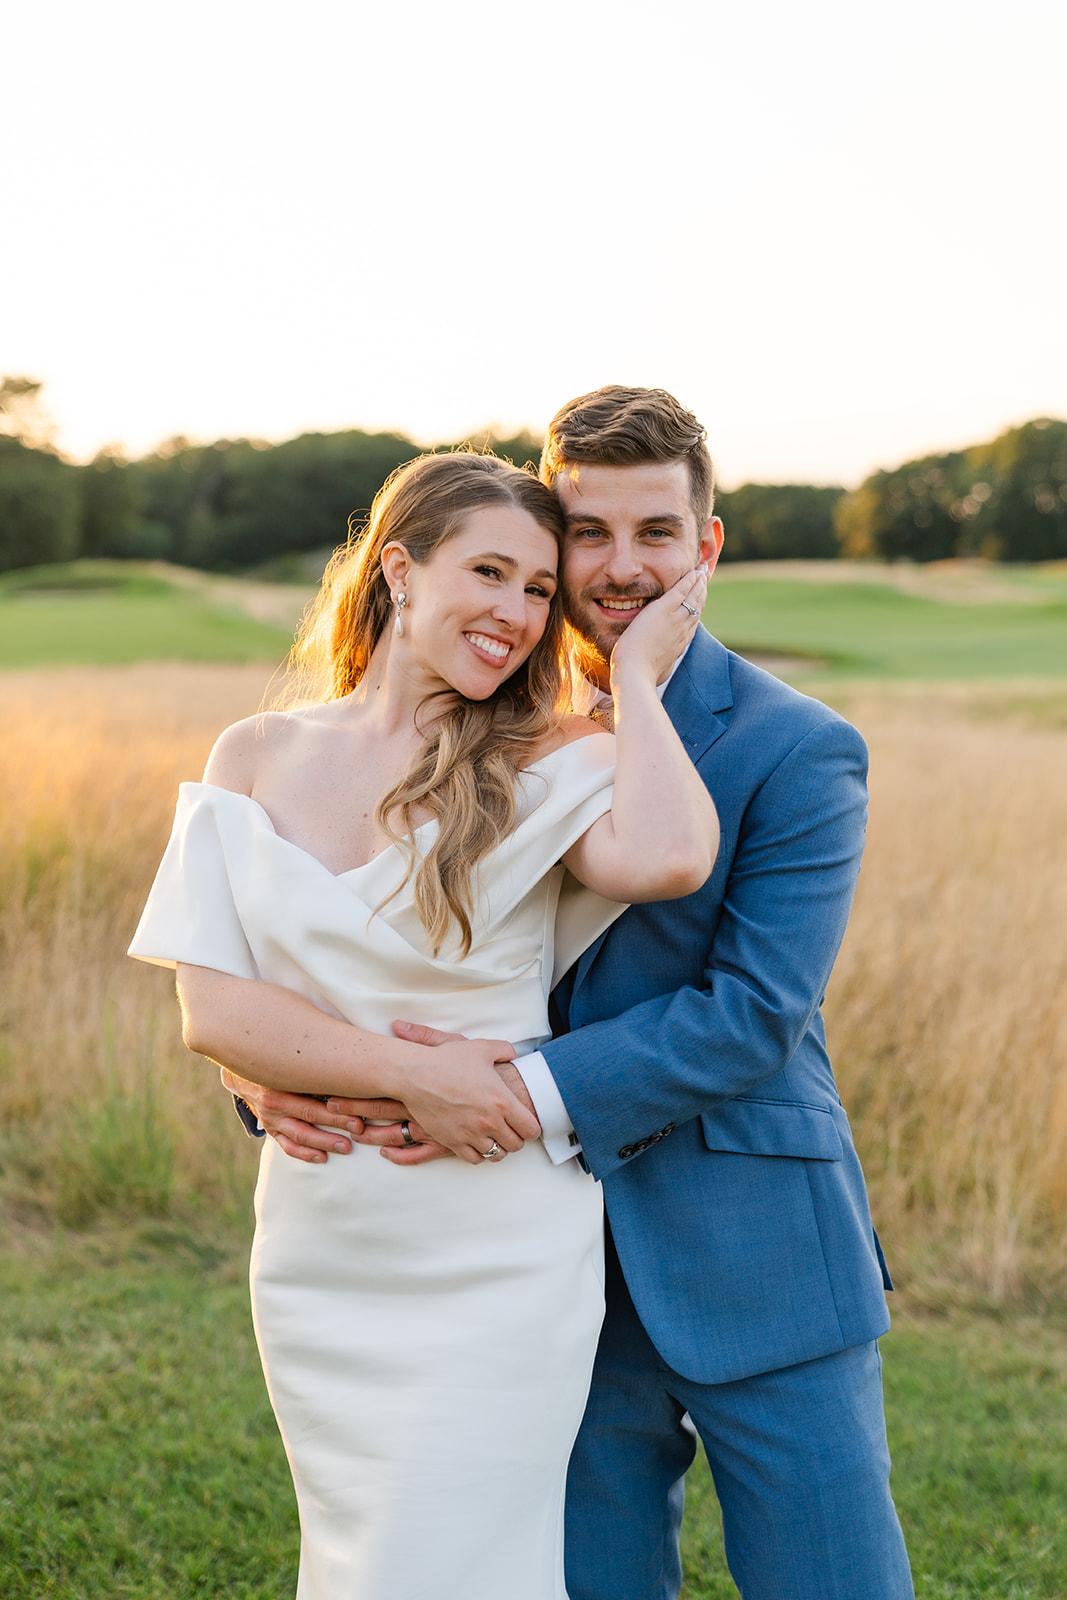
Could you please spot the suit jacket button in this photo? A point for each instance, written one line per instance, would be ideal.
(654, 1138)
(668, 1129)
(626, 1152)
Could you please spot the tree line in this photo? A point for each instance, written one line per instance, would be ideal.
(239, 504)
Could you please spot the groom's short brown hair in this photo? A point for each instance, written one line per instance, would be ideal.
(621, 427)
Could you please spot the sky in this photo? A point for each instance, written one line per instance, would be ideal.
(838, 232)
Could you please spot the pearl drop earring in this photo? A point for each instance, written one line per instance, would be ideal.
(401, 602)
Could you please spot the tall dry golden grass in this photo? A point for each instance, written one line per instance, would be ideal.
(947, 1012)
(100, 1105)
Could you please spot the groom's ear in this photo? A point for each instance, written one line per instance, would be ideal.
(711, 542)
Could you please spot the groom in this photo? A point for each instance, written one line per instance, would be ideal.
(745, 1285)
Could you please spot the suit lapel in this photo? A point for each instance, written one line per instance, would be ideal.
(699, 691)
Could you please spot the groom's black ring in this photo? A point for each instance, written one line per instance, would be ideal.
(405, 1132)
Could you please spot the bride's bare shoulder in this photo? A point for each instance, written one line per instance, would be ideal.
(573, 727)
(569, 730)
(246, 748)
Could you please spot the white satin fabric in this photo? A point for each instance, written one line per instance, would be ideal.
(427, 1334)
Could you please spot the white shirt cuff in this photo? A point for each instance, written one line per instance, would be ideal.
(557, 1131)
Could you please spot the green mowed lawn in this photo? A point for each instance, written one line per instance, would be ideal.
(114, 613)
(134, 618)
(875, 630)
(140, 1457)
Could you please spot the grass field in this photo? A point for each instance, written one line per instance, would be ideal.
(115, 612)
(836, 619)
(907, 624)
(141, 1458)
(958, 1097)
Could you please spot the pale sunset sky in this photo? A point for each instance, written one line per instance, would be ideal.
(837, 231)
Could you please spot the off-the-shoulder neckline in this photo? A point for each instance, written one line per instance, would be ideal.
(235, 794)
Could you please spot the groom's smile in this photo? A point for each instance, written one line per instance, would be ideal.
(631, 534)
(625, 608)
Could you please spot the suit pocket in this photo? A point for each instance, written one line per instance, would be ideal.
(772, 1128)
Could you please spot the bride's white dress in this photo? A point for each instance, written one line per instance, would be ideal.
(427, 1333)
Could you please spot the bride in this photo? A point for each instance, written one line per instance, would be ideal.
(395, 846)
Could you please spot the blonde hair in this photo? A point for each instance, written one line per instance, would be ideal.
(464, 776)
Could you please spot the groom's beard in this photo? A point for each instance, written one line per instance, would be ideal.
(598, 633)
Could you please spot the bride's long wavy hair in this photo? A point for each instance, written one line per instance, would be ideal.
(464, 775)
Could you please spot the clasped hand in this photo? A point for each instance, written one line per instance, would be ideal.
(308, 1130)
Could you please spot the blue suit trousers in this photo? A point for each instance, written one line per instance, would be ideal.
(799, 1459)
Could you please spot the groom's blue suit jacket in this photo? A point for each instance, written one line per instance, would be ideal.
(692, 1058)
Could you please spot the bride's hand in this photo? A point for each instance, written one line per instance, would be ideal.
(406, 1143)
(416, 1149)
(457, 1097)
(663, 630)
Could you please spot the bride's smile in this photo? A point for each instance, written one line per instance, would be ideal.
(478, 607)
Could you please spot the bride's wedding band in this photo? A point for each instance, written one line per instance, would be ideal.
(405, 1132)
(493, 1150)
(692, 610)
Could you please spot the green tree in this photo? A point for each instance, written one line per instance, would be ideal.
(22, 415)
(111, 507)
(40, 506)
(178, 488)
(1014, 504)
(300, 495)
(39, 503)
(905, 514)
(238, 503)
(778, 521)
(1006, 500)
(521, 449)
